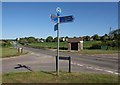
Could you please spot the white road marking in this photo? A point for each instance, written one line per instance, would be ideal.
(109, 71)
(98, 69)
(37, 54)
(32, 53)
(90, 67)
(73, 63)
(80, 65)
(115, 73)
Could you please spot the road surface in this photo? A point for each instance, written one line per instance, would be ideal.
(44, 60)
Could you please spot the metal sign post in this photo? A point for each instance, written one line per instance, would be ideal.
(58, 10)
(57, 19)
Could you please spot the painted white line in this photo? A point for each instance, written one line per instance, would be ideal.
(89, 67)
(80, 65)
(32, 53)
(77, 64)
(116, 73)
(37, 54)
(73, 63)
(98, 69)
(109, 71)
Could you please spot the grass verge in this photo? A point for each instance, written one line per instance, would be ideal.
(10, 52)
(64, 77)
(92, 52)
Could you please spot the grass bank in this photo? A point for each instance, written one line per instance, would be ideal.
(10, 52)
(64, 77)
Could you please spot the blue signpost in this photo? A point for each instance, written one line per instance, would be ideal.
(56, 27)
(57, 19)
(54, 18)
(58, 10)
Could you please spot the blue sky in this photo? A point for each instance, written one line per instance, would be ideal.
(24, 19)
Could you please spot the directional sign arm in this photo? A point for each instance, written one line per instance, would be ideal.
(54, 18)
(56, 27)
(66, 19)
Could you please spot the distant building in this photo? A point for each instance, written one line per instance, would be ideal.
(91, 39)
(75, 44)
(40, 40)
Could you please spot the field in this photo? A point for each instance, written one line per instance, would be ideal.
(63, 47)
(88, 44)
(64, 77)
(52, 45)
(9, 52)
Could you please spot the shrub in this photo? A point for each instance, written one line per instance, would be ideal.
(105, 45)
(6, 43)
(96, 46)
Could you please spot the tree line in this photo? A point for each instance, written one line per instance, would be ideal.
(112, 37)
(95, 37)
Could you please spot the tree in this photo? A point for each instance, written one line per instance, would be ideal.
(96, 37)
(55, 39)
(49, 39)
(6, 43)
(62, 39)
(66, 38)
(74, 37)
(87, 38)
(103, 39)
(23, 41)
(31, 39)
(115, 34)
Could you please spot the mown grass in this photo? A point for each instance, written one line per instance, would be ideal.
(10, 52)
(52, 45)
(64, 77)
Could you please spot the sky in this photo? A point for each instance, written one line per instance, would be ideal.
(25, 19)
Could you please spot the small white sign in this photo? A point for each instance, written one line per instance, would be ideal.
(58, 10)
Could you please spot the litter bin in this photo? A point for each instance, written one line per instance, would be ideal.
(20, 50)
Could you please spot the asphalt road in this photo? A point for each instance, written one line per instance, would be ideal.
(44, 60)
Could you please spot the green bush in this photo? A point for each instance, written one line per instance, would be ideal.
(107, 45)
(112, 43)
(96, 46)
(6, 43)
